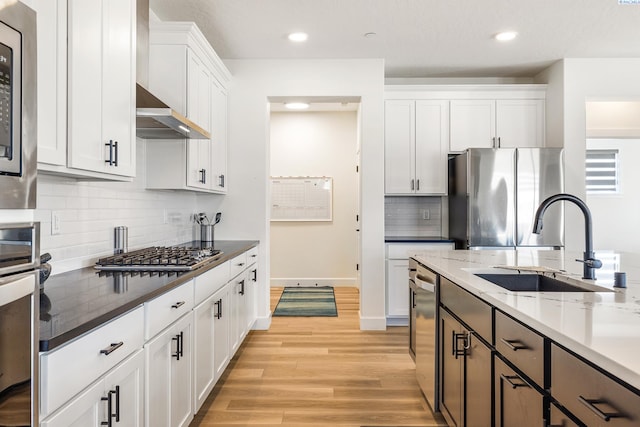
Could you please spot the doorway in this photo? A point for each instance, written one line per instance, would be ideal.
(320, 143)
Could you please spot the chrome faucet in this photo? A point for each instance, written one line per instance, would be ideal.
(589, 260)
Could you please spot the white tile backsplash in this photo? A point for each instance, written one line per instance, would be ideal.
(405, 216)
(89, 211)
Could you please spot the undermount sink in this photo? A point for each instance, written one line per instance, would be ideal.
(531, 283)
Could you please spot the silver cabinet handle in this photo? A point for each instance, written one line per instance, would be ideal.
(178, 304)
(412, 185)
(417, 185)
(113, 347)
(519, 345)
(591, 404)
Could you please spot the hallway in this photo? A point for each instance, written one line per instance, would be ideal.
(319, 371)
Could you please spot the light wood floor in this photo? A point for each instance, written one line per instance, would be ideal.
(319, 371)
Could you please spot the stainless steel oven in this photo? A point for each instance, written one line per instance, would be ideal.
(17, 106)
(19, 337)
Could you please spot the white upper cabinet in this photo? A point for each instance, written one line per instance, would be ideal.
(416, 142)
(473, 124)
(52, 80)
(502, 123)
(520, 123)
(185, 72)
(86, 78)
(219, 138)
(101, 84)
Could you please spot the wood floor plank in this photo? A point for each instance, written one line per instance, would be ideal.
(319, 371)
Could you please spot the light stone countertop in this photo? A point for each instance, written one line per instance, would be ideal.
(603, 327)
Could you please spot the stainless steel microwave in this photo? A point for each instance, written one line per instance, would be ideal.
(18, 125)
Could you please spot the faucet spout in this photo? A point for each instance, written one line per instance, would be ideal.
(590, 263)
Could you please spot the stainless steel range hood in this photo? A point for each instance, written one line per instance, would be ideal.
(154, 118)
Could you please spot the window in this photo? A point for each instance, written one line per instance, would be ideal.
(602, 171)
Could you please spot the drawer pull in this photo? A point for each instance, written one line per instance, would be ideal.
(113, 347)
(456, 338)
(254, 255)
(179, 339)
(591, 404)
(178, 304)
(117, 393)
(240, 264)
(107, 423)
(515, 345)
(509, 378)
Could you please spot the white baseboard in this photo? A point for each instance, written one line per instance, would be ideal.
(373, 323)
(310, 281)
(262, 323)
(398, 321)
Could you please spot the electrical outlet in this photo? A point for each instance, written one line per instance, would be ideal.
(426, 214)
(165, 219)
(55, 222)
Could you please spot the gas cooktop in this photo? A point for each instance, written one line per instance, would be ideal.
(158, 258)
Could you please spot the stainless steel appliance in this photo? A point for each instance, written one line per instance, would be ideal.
(17, 106)
(154, 118)
(424, 332)
(19, 337)
(494, 194)
(173, 258)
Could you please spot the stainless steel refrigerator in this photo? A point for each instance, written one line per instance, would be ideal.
(494, 194)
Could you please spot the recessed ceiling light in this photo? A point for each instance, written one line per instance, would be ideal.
(298, 37)
(296, 105)
(506, 36)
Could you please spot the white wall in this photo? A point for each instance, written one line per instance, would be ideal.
(322, 252)
(89, 211)
(615, 216)
(247, 205)
(572, 82)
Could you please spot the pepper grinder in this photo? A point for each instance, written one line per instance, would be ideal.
(120, 240)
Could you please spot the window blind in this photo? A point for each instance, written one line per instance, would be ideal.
(602, 171)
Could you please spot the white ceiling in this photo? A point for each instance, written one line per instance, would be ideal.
(418, 38)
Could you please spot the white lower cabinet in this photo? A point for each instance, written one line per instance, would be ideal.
(114, 400)
(238, 312)
(204, 346)
(168, 376)
(397, 285)
(221, 328)
(155, 365)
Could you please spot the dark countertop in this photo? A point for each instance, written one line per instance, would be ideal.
(75, 302)
(417, 239)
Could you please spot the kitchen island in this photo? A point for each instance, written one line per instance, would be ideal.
(601, 328)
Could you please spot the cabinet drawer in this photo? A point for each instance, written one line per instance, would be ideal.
(521, 346)
(210, 281)
(471, 310)
(517, 402)
(406, 250)
(589, 394)
(67, 370)
(252, 256)
(237, 265)
(167, 308)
